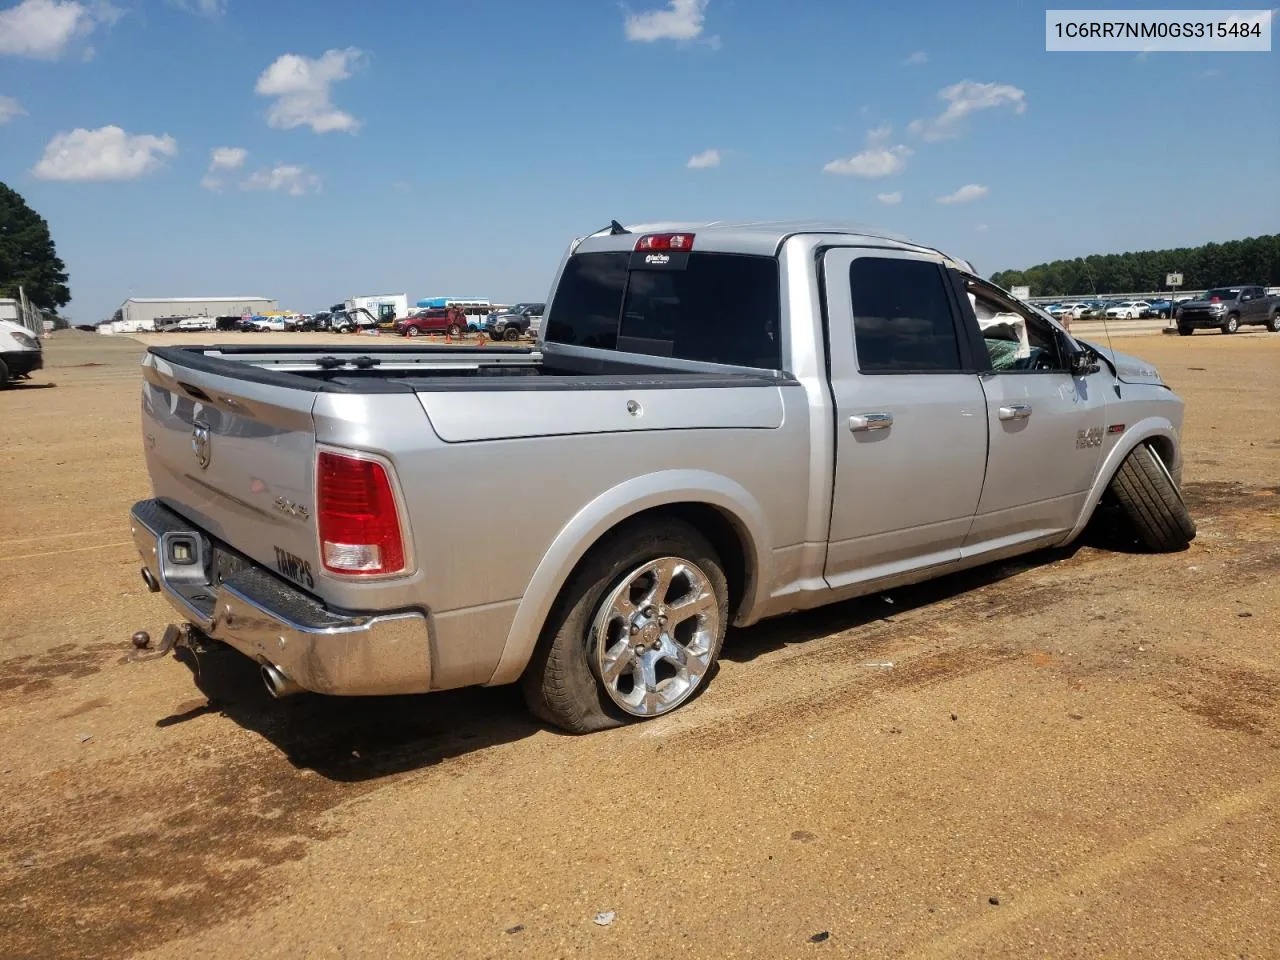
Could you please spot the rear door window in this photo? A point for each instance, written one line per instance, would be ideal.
(710, 307)
(902, 317)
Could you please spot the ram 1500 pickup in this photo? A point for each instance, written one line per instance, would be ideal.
(719, 423)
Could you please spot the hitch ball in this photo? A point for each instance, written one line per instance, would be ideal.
(142, 640)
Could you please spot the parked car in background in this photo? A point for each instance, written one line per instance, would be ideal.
(1127, 310)
(1075, 309)
(1159, 308)
(20, 352)
(514, 323)
(264, 325)
(344, 320)
(429, 320)
(1229, 309)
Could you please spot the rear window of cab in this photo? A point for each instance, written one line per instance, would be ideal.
(710, 307)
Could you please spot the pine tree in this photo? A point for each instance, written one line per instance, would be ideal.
(27, 255)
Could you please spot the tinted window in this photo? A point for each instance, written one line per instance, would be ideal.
(716, 308)
(901, 317)
(588, 301)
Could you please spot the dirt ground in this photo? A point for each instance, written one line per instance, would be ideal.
(1074, 755)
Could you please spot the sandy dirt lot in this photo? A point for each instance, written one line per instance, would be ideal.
(1074, 755)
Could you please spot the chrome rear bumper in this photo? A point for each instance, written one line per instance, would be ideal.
(255, 612)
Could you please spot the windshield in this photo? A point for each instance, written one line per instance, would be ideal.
(1223, 293)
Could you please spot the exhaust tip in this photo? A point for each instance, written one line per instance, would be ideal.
(149, 579)
(277, 682)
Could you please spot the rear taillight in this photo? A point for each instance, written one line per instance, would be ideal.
(357, 518)
(675, 242)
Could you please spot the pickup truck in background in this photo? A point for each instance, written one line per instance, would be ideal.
(1229, 309)
(720, 423)
(514, 323)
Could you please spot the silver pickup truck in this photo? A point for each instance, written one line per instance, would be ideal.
(718, 423)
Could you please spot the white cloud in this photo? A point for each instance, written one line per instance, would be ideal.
(890, 199)
(104, 154)
(10, 108)
(42, 29)
(916, 58)
(227, 158)
(705, 159)
(980, 228)
(294, 180)
(679, 20)
(964, 98)
(301, 88)
(222, 158)
(878, 160)
(966, 194)
(205, 8)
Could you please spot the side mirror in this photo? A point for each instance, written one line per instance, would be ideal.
(1084, 362)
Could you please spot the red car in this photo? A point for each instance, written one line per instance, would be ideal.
(434, 320)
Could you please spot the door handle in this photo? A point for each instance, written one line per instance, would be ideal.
(862, 422)
(1015, 411)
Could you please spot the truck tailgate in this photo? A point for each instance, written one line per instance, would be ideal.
(237, 458)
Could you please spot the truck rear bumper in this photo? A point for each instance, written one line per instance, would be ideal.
(258, 614)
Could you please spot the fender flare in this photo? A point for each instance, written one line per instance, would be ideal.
(1138, 433)
(617, 504)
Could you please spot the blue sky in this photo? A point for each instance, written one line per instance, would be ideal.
(455, 148)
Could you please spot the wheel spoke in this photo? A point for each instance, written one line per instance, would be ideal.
(618, 660)
(646, 677)
(662, 574)
(701, 602)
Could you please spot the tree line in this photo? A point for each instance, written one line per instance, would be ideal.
(1255, 260)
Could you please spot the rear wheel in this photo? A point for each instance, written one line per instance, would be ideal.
(1146, 492)
(454, 330)
(635, 633)
(1231, 324)
(1273, 324)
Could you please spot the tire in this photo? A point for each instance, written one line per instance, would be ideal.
(1186, 331)
(511, 333)
(492, 335)
(412, 332)
(1150, 499)
(1273, 323)
(563, 683)
(454, 330)
(1231, 324)
(4, 375)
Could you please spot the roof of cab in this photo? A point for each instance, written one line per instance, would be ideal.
(761, 237)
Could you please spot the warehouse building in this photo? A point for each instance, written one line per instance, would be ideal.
(141, 313)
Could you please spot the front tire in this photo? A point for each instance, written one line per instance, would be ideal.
(4, 375)
(1186, 331)
(413, 332)
(454, 330)
(511, 333)
(1231, 324)
(1146, 492)
(1273, 324)
(635, 632)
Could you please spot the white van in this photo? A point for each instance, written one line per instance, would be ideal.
(20, 352)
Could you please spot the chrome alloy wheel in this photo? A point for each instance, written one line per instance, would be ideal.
(654, 635)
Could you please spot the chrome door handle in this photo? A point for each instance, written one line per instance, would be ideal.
(862, 422)
(1015, 411)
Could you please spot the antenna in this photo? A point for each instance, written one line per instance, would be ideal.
(616, 228)
(1106, 329)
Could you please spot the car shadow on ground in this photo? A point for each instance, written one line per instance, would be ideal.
(350, 739)
(1108, 531)
(19, 386)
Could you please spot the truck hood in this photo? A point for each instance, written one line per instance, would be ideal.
(1129, 369)
(1199, 304)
